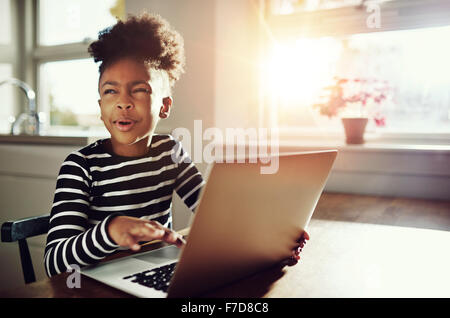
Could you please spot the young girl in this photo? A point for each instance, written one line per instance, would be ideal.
(118, 191)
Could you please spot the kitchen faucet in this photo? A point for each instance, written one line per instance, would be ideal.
(31, 118)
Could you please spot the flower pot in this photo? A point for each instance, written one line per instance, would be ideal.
(354, 129)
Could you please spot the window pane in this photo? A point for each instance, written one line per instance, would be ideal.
(69, 21)
(414, 63)
(5, 22)
(68, 93)
(7, 98)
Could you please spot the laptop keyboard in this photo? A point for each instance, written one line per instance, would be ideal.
(157, 278)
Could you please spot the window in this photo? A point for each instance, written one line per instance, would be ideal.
(5, 22)
(68, 93)
(68, 21)
(7, 92)
(411, 55)
(67, 77)
(7, 100)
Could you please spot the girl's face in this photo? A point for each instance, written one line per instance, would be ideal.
(132, 99)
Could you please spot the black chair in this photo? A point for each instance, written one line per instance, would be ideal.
(20, 230)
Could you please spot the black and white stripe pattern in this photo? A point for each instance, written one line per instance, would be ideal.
(94, 185)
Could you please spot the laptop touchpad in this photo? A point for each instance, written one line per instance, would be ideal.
(161, 255)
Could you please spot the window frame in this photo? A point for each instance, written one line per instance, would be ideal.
(395, 15)
(52, 53)
(16, 52)
(8, 51)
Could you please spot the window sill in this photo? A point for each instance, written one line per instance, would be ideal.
(366, 147)
(374, 142)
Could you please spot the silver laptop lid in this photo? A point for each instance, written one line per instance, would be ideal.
(247, 221)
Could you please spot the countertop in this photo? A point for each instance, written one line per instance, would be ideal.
(47, 140)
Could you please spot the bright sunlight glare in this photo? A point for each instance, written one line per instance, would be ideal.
(298, 71)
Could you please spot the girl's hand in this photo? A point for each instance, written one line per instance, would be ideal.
(129, 231)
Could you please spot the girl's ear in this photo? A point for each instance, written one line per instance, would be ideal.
(165, 108)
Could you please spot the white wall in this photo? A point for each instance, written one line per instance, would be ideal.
(237, 57)
(27, 184)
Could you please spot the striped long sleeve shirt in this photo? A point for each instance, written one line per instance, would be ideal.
(94, 185)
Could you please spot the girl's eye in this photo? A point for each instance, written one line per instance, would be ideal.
(141, 90)
(109, 91)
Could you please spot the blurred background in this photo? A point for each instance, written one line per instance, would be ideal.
(250, 64)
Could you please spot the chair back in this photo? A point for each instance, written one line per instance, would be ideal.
(19, 231)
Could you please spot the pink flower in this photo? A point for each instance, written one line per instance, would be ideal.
(345, 91)
(380, 121)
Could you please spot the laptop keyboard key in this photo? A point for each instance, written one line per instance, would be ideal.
(157, 278)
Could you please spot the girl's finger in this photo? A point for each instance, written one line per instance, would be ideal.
(131, 242)
(156, 224)
(305, 235)
(174, 238)
(152, 232)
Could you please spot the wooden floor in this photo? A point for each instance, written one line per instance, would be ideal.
(418, 213)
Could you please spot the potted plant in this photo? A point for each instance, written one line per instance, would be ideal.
(356, 101)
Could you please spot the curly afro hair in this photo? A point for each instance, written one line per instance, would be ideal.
(147, 38)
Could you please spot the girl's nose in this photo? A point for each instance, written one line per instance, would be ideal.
(125, 103)
(125, 106)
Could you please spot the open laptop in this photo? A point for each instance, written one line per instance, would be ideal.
(246, 221)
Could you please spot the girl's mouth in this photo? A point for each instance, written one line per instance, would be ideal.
(124, 124)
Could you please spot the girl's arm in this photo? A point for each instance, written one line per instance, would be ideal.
(189, 180)
(71, 239)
